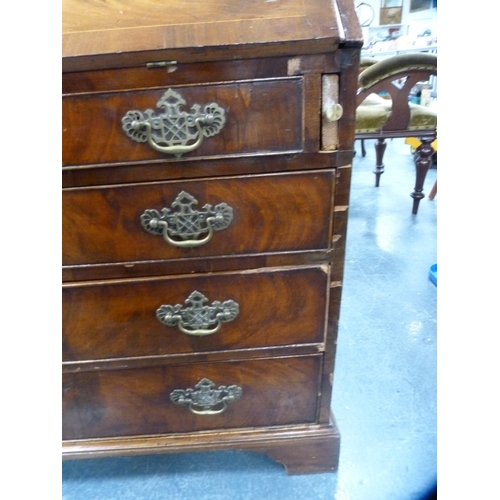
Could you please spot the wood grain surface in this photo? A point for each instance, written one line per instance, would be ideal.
(120, 14)
(126, 29)
(260, 116)
(117, 319)
(271, 213)
(276, 391)
(282, 169)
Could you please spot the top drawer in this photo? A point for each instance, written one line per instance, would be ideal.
(184, 121)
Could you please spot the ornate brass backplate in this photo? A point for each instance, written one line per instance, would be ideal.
(204, 399)
(182, 226)
(198, 318)
(174, 132)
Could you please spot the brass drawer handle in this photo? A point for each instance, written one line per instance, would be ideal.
(181, 226)
(204, 399)
(197, 318)
(174, 132)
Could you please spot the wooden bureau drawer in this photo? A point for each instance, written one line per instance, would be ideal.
(271, 213)
(260, 116)
(275, 391)
(118, 319)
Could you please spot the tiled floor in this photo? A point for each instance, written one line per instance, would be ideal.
(384, 394)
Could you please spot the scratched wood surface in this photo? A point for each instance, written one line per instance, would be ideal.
(185, 29)
(120, 14)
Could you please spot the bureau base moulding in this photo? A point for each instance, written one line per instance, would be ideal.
(301, 449)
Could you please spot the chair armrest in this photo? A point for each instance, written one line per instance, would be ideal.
(406, 63)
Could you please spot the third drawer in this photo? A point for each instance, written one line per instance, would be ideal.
(258, 309)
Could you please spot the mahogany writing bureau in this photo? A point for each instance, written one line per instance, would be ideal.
(206, 166)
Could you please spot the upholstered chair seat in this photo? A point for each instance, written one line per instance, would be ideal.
(372, 114)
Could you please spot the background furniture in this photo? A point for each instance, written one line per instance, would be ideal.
(380, 118)
(433, 191)
(365, 62)
(206, 170)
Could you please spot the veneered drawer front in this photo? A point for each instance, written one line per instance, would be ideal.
(275, 308)
(270, 213)
(274, 391)
(260, 116)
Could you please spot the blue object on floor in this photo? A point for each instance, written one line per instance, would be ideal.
(433, 274)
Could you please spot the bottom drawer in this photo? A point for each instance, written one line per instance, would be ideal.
(139, 401)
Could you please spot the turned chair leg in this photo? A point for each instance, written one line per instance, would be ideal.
(422, 163)
(380, 146)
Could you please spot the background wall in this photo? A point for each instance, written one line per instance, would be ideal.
(417, 22)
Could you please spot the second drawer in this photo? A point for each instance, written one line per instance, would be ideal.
(217, 217)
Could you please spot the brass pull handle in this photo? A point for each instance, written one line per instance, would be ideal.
(204, 399)
(183, 227)
(197, 318)
(174, 132)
